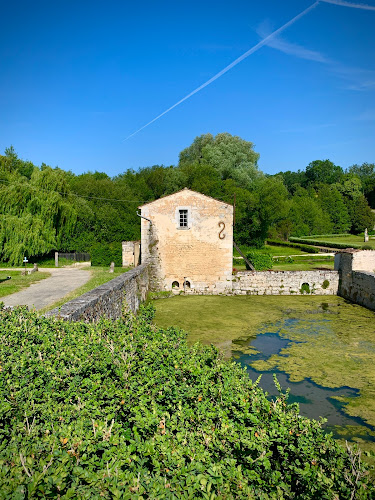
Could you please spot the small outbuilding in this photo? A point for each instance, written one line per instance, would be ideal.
(187, 240)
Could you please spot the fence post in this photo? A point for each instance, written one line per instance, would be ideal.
(56, 259)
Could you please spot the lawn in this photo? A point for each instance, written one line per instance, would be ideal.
(301, 262)
(18, 282)
(274, 250)
(99, 276)
(304, 263)
(45, 262)
(348, 240)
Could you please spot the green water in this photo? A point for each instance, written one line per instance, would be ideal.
(323, 348)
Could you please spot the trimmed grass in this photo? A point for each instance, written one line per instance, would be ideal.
(274, 250)
(41, 263)
(99, 276)
(300, 263)
(348, 240)
(18, 282)
(279, 251)
(305, 263)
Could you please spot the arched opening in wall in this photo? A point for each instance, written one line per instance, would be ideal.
(187, 284)
(175, 284)
(305, 288)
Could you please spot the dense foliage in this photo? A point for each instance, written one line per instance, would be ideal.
(260, 261)
(44, 208)
(102, 254)
(126, 410)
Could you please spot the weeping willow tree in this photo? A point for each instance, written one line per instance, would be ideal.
(35, 213)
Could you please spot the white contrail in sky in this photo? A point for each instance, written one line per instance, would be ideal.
(230, 66)
(343, 3)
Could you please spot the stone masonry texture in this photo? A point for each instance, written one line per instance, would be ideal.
(200, 254)
(285, 282)
(127, 291)
(357, 276)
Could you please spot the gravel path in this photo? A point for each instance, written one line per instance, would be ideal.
(47, 291)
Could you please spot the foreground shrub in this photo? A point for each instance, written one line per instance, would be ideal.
(125, 410)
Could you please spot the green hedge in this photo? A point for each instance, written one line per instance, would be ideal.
(339, 235)
(300, 246)
(325, 243)
(261, 261)
(126, 410)
(102, 254)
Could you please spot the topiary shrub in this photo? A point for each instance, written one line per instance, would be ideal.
(261, 261)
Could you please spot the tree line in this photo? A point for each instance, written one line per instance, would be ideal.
(44, 209)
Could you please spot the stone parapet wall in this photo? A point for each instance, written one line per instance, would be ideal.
(285, 282)
(357, 277)
(128, 289)
(360, 288)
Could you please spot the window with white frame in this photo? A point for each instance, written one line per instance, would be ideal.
(183, 218)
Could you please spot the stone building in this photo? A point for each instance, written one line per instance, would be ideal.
(187, 240)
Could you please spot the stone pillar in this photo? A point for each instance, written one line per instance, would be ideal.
(56, 259)
(366, 235)
(112, 267)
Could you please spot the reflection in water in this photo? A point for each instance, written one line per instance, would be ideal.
(314, 401)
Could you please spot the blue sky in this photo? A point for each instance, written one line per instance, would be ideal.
(78, 77)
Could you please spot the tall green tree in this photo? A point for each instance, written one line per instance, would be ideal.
(323, 172)
(332, 203)
(307, 216)
(366, 173)
(233, 157)
(35, 213)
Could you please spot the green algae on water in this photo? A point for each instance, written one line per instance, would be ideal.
(332, 342)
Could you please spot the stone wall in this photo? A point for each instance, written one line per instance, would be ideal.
(129, 289)
(357, 277)
(131, 253)
(285, 282)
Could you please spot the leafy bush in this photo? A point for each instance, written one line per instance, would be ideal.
(261, 261)
(304, 248)
(305, 288)
(102, 254)
(125, 410)
(325, 284)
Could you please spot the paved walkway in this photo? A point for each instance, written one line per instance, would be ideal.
(46, 292)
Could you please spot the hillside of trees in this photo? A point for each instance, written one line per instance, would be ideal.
(43, 209)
